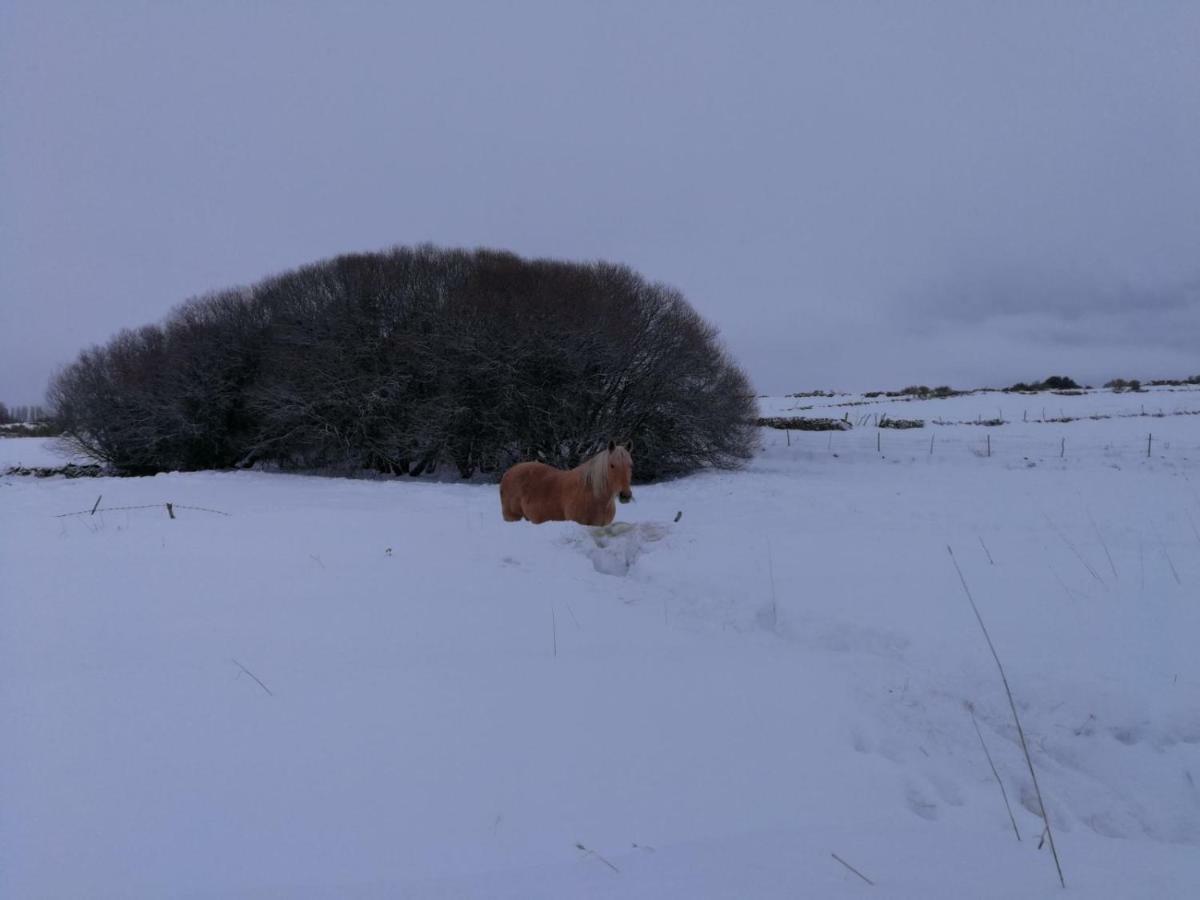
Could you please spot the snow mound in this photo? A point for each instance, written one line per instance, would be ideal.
(613, 549)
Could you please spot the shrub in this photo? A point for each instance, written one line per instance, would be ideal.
(1059, 383)
(921, 391)
(1176, 382)
(803, 423)
(409, 359)
(1053, 383)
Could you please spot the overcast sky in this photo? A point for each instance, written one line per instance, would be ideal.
(857, 195)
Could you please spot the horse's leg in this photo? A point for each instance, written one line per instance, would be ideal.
(575, 499)
(510, 510)
(535, 512)
(590, 512)
(537, 495)
(510, 500)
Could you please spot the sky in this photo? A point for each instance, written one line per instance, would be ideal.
(858, 195)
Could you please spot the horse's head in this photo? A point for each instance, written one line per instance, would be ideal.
(620, 471)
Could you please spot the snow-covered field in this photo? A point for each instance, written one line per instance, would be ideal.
(378, 689)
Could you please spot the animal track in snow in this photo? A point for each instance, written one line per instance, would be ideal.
(844, 637)
(920, 803)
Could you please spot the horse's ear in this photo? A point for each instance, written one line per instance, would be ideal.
(629, 445)
(611, 446)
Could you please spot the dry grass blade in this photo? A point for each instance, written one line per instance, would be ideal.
(1012, 704)
(1104, 544)
(852, 869)
(1192, 522)
(1003, 792)
(771, 573)
(1079, 556)
(252, 675)
(591, 852)
(1166, 554)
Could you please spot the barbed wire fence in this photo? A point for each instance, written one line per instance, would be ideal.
(944, 440)
(170, 508)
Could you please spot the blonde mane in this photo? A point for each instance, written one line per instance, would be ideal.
(595, 470)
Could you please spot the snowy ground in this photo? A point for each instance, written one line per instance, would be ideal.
(360, 689)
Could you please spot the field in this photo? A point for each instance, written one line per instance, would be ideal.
(308, 687)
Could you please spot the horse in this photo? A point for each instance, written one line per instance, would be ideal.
(542, 493)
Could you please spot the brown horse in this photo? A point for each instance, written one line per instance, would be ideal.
(541, 493)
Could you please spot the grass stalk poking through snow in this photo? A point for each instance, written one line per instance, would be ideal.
(591, 852)
(1012, 704)
(1104, 544)
(252, 675)
(1192, 522)
(774, 602)
(1079, 556)
(1003, 792)
(1166, 554)
(852, 869)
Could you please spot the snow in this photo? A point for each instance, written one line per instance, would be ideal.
(35, 452)
(350, 688)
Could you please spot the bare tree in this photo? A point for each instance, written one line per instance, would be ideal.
(405, 360)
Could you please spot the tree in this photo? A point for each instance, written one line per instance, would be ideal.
(405, 360)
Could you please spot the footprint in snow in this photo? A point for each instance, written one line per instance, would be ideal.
(920, 803)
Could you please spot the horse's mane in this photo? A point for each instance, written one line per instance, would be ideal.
(595, 470)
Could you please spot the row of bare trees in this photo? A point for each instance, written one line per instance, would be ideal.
(31, 415)
(410, 359)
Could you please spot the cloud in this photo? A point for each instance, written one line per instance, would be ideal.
(1064, 309)
(836, 186)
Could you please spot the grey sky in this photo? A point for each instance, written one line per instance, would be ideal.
(857, 195)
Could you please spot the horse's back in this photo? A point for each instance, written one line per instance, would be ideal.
(527, 474)
(531, 490)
